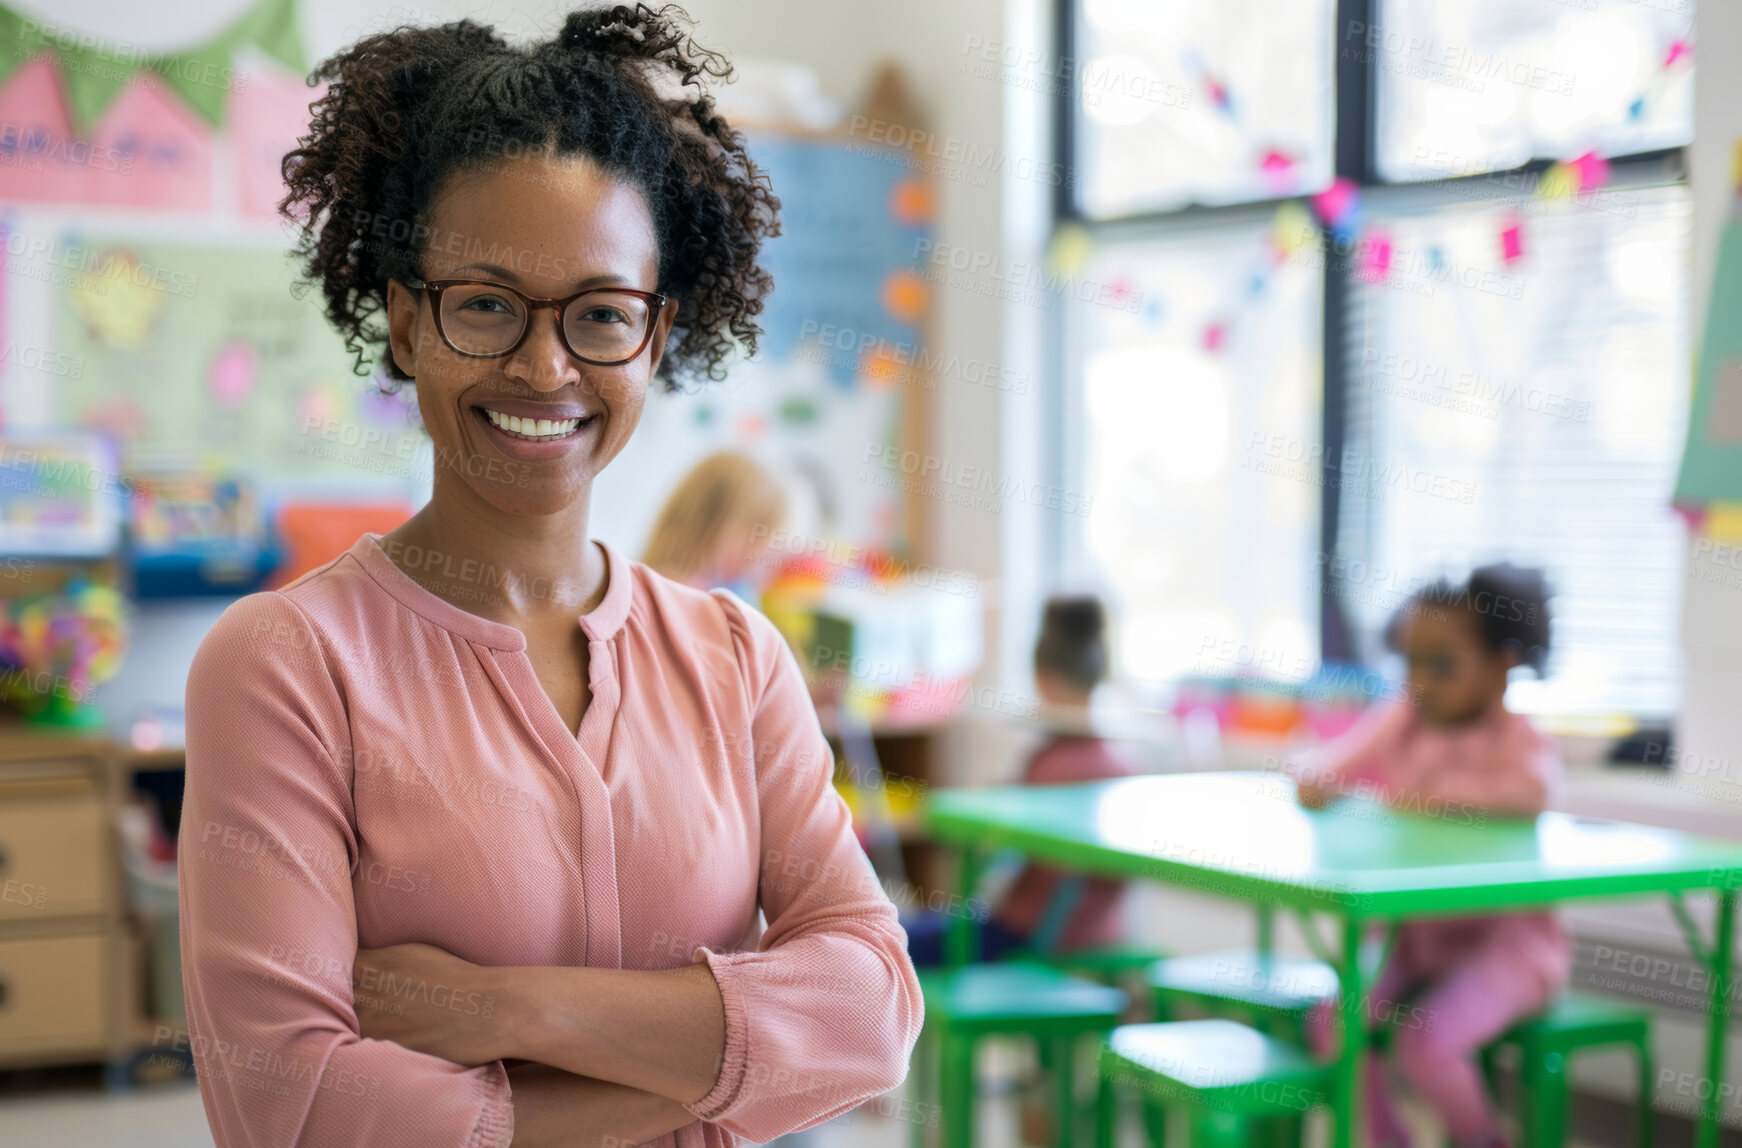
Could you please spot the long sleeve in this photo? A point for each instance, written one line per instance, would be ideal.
(1358, 757)
(825, 1015)
(268, 924)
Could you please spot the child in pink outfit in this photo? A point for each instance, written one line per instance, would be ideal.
(1454, 750)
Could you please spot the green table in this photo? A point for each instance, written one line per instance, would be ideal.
(1242, 835)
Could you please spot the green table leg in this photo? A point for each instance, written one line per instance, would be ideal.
(1346, 1093)
(962, 937)
(1716, 1016)
(1064, 1068)
(1266, 928)
(958, 1093)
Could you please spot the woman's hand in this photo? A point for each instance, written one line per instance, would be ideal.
(427, 999)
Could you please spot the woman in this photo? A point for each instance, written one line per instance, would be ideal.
(480, 815)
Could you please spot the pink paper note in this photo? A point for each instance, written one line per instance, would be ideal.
(146, 151)
(267, 118)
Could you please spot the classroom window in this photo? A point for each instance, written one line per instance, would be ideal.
(1486, 359)
(1183, 102)
(1486, 85)
(1199, 401)
(1533, 410)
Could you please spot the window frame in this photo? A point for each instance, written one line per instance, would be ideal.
(1354, 157)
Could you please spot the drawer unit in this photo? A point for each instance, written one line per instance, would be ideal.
(55, 856)
(54, 993)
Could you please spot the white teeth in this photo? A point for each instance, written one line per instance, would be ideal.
(533, 428)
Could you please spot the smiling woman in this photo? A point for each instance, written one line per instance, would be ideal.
(478, 813)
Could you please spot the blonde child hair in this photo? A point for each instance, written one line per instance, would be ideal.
(709, 523)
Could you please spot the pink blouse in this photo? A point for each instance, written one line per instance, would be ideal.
(369, 765)
(1497, 765)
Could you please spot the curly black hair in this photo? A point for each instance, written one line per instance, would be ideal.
(407, 108)
(1508, 603)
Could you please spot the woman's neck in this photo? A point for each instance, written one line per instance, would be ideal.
(510, 568)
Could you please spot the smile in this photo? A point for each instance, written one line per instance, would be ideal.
(535, 430)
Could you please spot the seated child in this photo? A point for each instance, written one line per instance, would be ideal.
(1070, 659)
(1452, 745)
(715, 526)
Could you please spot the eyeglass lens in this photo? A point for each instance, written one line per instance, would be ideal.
(481, 319)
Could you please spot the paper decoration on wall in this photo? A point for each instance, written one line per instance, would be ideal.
(1280, 171)
(1070, 249)
(147, 151)
(115, 297)
(881, 366)
(201, 75)
(220, 324)
(1217, 91)
(1339, 206)
(1292, 228)
(1214, 335)
(1512, 239)
(232, 376)
(912, 202)
(1711, 465)
(798, 412)
(1574, 177)
(905, 296)
(1375, 256)
(267, 118)
(1512, 243)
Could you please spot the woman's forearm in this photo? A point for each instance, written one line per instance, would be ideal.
(556, 1109)
(660, 1032)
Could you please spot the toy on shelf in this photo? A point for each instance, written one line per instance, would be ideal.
(59, 647)
(191, 534)
(879, 645)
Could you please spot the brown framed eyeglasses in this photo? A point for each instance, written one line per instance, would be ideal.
(603, 326)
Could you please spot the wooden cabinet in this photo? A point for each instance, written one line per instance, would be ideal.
(56, 996)
(62, 918)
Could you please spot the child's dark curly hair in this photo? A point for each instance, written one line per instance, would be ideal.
(1508, 603)
(407, 108)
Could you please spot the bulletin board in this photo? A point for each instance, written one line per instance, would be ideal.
(837, 370)
(202, 353)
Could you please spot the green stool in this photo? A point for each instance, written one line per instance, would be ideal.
(1545, 1043)
(1273, 993)
(1015, 998)
(1235, 1081)
(1103, 963)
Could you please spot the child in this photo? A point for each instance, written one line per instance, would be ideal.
(1454, 744)
(1070, 659)
(715, 526)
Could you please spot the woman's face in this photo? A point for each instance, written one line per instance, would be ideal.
(549, 228)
